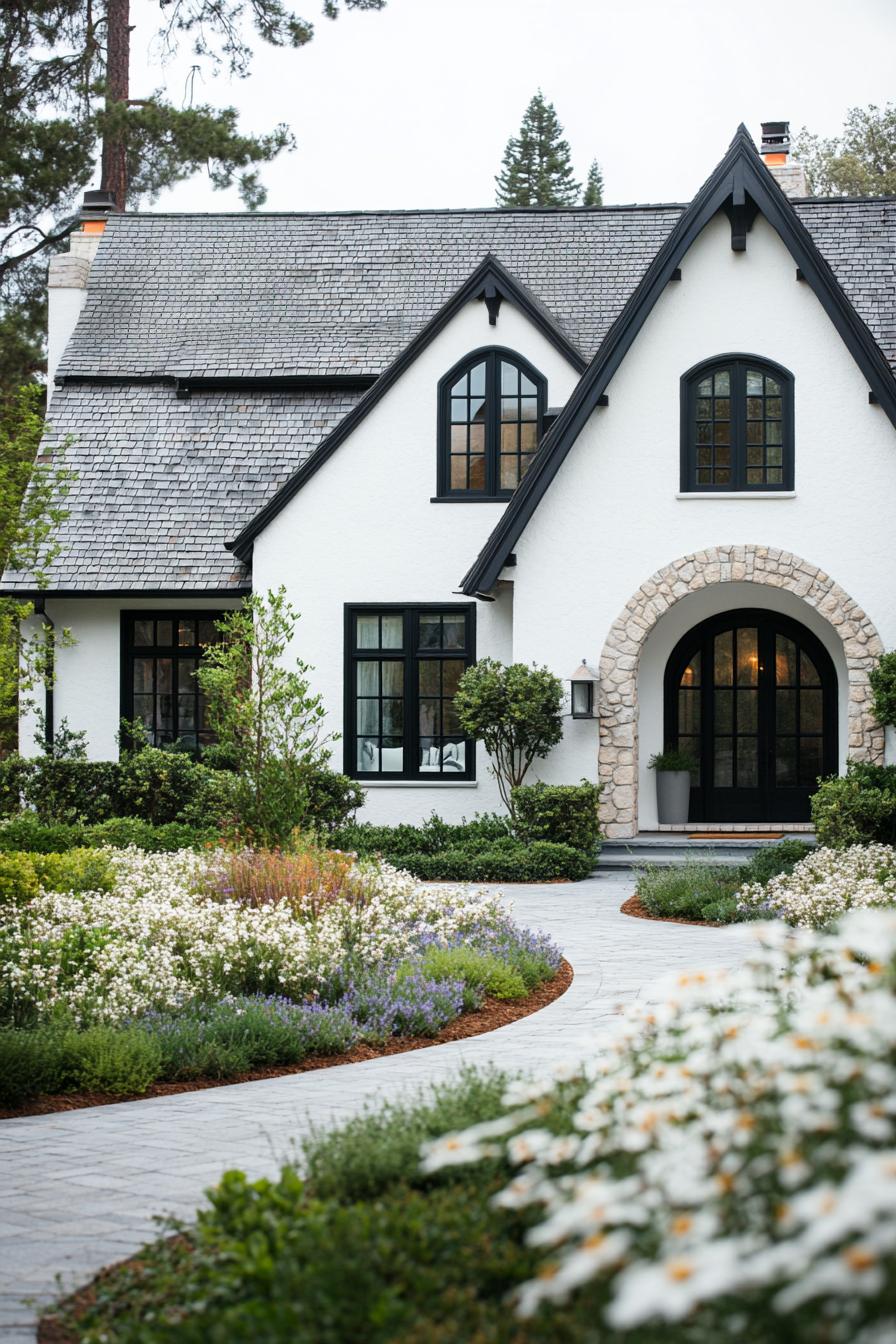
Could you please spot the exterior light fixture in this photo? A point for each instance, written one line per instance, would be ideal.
(581, 685)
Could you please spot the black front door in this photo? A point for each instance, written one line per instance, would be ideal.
(752, 697)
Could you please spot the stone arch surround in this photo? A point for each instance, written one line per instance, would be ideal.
(618, 690)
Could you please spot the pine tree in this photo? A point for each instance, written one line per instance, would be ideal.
(65, 102)
(536, 168)
(594, 185)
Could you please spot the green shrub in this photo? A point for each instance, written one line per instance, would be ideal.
(123, 831)
(26, 833)
(858, 808)
(76, 870)
(157, 786)
(506, 861)
(432, 836)
(883, 689)
(18, 879)
(481, 973)
(381, 1146)
(332, 799)
(672, 760)
(690, 891)
(31, 1062)
(565, 814)
(771, 860)
(118, 1060)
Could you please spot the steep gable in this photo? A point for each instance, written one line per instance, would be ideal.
(741, 186)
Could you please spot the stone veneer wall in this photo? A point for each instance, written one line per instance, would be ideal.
(618, 691)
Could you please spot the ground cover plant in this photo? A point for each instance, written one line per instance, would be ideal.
(823, 885)
(703, 891)
(120, 968)
(719, 1166)
(554, 833)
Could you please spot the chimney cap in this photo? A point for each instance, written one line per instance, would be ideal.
(775, 137)
(97, 204)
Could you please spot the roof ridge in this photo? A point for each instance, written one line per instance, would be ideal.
(399, 211)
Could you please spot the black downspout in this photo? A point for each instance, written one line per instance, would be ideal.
(40, 609)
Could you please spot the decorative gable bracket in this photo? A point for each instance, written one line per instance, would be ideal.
(492, 296)
(741, 210)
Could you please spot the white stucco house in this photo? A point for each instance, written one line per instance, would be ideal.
(657, 439)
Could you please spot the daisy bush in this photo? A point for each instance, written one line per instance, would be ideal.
(724, 1165)
(171, 931)
(824, 885)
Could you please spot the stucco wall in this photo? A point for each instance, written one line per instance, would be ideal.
(612, 516)
(364, 530)
(88, 675)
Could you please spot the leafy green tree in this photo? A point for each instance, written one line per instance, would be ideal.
(32, 505)
(516, 712)
(537, 169)
(65, 101)
(265, 715)
(594, 185)
(860, 162)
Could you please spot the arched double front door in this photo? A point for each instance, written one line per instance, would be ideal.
(752, 697)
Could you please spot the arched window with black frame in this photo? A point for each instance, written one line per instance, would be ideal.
(737, 426)
(491, 410)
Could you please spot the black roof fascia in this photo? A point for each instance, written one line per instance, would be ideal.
(34, 594)
(488, 273)
(186, 383)
(741, 172)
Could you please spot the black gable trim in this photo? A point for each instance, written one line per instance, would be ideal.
(740, 184)
(489, 282)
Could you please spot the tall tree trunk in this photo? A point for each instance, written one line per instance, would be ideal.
(118, 58)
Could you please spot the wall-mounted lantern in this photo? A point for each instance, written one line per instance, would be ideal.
(581, 685)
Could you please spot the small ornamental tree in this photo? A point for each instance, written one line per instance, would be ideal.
(516, 712)
(883, 690)
(265, 716)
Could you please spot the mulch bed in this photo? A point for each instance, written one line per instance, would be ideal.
(635, 906)
(50, 1329)
(494, 1013)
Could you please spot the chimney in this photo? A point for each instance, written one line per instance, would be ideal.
(68, 275)
(789, 175)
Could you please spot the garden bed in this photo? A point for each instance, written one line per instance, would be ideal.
(635, 907)
(493, 1013)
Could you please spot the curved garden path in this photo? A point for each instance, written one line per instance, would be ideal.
(80, 1189)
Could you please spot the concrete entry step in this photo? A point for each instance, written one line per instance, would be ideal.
(664, 850)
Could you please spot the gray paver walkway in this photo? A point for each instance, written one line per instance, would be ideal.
(80, 1189)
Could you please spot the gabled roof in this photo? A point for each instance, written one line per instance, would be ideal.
(490, 282)
(741, 185)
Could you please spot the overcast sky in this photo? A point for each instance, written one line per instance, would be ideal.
(412, 106)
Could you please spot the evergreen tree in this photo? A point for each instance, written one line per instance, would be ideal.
(65, 101)
(536, 168)
(860, 162)
(594, 185)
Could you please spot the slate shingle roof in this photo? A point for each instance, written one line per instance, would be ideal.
(164, 482)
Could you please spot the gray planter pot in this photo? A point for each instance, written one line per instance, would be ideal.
(673, 796)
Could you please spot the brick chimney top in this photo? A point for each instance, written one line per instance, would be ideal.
(96, 207)
(775, 150)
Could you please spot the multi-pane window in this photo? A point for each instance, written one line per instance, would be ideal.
(403, 667)
(490, 414)
(161, 655)
(738, 427)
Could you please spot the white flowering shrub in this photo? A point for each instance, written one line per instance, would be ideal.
(824, 885)
(160, 938)
(727, 1160)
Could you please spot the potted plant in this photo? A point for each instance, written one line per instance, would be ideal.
(673, 785)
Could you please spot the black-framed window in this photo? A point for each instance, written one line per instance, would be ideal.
(160, 654)
(737, 426)
(491, 409)
(402, 669)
